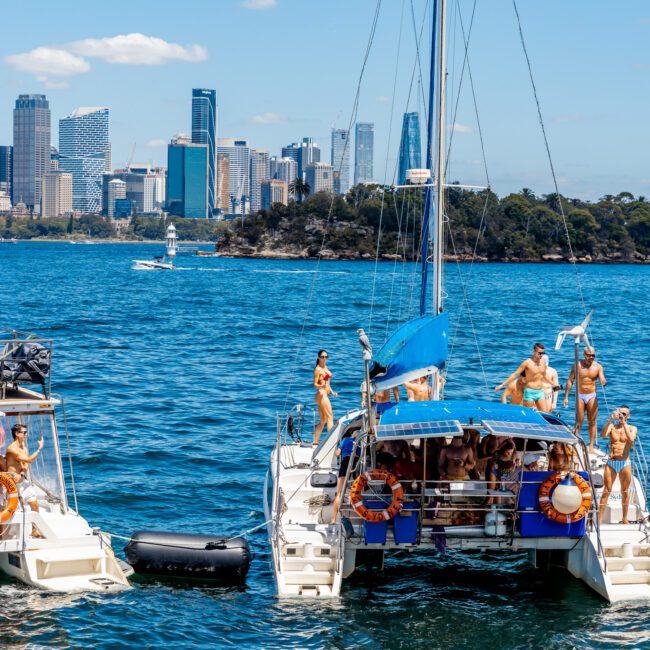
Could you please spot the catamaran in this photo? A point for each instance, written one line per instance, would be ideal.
(44, 542)
(552, 515)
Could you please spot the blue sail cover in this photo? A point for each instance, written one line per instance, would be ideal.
(417, 348)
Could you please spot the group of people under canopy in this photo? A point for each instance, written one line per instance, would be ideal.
(492, 459)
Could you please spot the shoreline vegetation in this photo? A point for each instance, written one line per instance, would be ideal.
(370, 221)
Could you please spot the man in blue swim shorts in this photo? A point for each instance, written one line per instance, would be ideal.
(533, 375)
(621, 438)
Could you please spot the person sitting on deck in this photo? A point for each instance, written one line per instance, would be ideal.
(418, 390)
(455, 460)
(561, 457)
(533, 370)
(621, 438)
(514, 392)
(344, 452)
(409, 467)
(502, 470)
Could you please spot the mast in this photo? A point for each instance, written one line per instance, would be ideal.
(428, 194)
(438, 230)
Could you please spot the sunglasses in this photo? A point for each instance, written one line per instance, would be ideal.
(590, 356)
(323, 356)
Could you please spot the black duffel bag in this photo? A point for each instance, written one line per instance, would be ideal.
(25, 363)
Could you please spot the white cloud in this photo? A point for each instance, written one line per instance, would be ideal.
(382, 99)
(156, 142)
(269, 118)
(259, 4)
(460, 128)
(48, 62)
(137, 49)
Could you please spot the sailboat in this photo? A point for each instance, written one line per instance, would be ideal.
(550, 515)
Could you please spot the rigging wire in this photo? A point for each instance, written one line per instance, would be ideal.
(353, 114)
(555, 184)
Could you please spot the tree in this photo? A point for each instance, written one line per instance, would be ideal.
(300, 189)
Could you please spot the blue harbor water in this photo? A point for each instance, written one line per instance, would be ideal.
(172, 382)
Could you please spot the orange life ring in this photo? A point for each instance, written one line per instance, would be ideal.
(546, 504)
(12, 501)
(356, 495)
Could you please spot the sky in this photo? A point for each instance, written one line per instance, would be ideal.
(286, 69)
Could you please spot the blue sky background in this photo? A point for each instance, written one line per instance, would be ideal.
(284, 69)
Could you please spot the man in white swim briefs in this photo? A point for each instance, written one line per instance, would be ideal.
(621, 438)
(533, 374)
(590, 372)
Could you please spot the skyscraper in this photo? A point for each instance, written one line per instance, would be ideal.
(223, 183)
(31, 151)
(85, 152)
(187, 173)
(304, 153)
(410, 150)
(56, 194)
(6, 168)
(364, 144)
(116, 190)
(274, 191)
(259, 174)
(204, 131)
(239, 161)
(319, 177)
(341, 160)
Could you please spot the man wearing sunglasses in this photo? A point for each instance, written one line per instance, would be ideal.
(621, 438)
(532, 372)
(590, 372)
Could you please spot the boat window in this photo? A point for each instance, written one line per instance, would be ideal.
(44, 471)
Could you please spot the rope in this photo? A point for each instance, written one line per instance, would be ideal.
(217, 540)
(331, 208)
(557, 191)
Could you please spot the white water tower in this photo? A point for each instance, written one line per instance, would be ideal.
(171, 240)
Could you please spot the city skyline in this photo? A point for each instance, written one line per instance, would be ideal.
(599, 145)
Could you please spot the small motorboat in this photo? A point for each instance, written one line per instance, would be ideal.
(155, 264)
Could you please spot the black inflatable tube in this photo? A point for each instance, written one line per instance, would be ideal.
(188, 556)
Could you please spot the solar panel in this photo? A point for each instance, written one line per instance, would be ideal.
(535, 430)
(438, 428)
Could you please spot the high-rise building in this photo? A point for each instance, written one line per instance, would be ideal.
(116, 190)
(31, 151)
(304, 153)
(6, 168)
(85, 152)
(410, 150)
(223, 183)
(259, 174)
(187, 173)
(364, 144)
(274, 191)
(56, 194)
(283, 169)
(204, 131)
(54, 158)
(320, 178)
(5, 202)
(341, 160)
(239, 161)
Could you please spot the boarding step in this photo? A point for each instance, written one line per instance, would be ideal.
(308, 564)
(309, 591)
(634, 563)
(629, 592)
(308, 577)
(627, 550)
(629, 577)
(307, 550)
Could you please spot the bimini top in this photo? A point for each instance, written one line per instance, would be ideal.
(440, 418)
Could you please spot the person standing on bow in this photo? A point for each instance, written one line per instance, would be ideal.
(533, 372)
(621, 438)
(590, 372)
(322, 377)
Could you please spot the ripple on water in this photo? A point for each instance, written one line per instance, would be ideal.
(172, 382)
